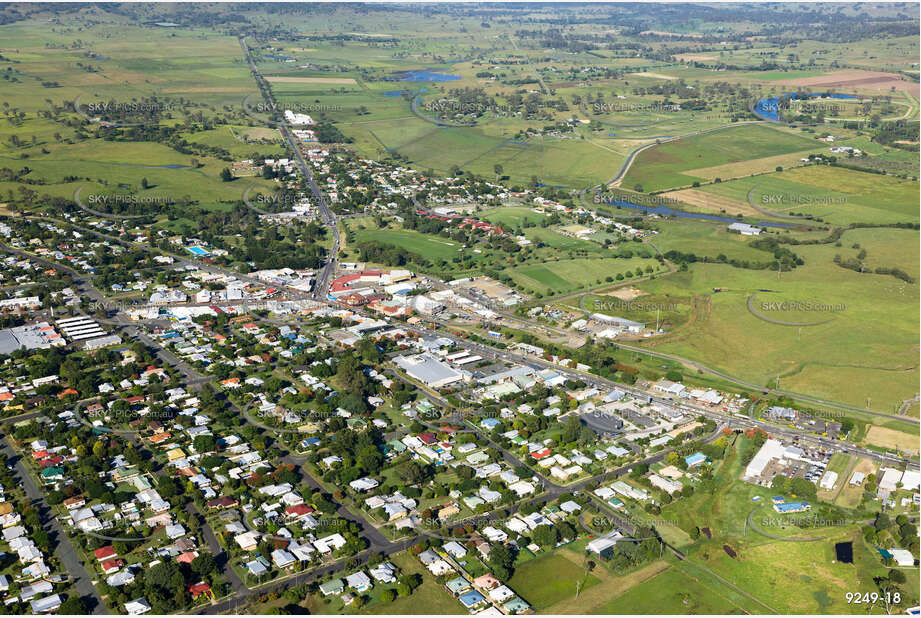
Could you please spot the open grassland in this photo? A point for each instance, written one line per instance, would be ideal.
(556, 277)
(670, 164)
(667, 311)
(196, 70)
(834, 194)
(676, 591)
(864, 349)
(189, 75)
(428, 246)
(738, 169)
(123, 165)
(705, 239)
(796, 577)
(511, 217)
(550, 579)
(891, 439)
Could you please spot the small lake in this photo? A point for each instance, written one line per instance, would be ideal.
(665, 211)
(425, 75)
(844, 552)
(767, 108)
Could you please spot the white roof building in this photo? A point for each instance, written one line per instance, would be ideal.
(889, 478)
(771, 449)
(828, 480)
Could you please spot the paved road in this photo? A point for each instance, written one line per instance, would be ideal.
(327, 270)
(64, 549)
(220, 556)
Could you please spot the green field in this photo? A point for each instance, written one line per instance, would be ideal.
(705, 239)
(429, 247)
(862, 350)
(511, 217)
(833, 194)
(555, 277)
(676, 592)
(549, 579)
(670, 164)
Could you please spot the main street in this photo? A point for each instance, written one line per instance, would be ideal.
(329, 267)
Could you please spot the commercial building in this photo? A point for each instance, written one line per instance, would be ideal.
(429, 370)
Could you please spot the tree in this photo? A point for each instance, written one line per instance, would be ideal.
(545, 536)
(203, 564)
(501, 559)
(388, 595)
(205, 443)
(571, 429)
(73, 605)
(226, 175)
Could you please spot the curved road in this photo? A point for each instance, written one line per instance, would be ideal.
(615, 182)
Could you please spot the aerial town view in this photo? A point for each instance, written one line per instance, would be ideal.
(459, 308)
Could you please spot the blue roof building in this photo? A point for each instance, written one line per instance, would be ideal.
(471, 599)
(792, 507)
(695, 460)
(489, 423)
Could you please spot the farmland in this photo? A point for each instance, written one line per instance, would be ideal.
(672, 164)
(833, 194)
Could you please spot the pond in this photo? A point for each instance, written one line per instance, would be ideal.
(665, 211)
(844, 552)
(424, 75)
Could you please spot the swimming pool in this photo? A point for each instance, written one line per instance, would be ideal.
(196, 250)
